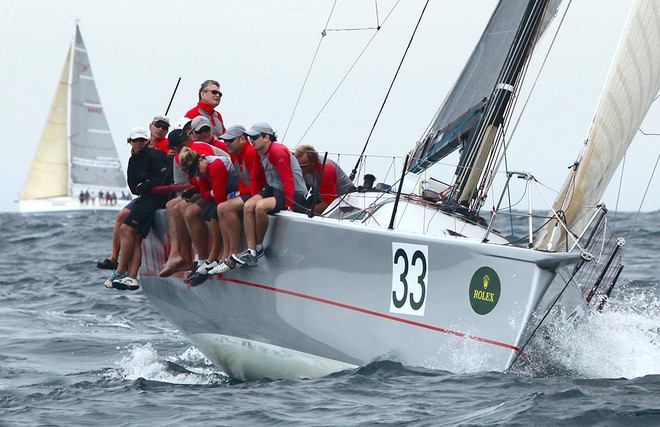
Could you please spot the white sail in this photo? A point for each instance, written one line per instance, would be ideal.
(632, 85)
(49, 175)
(76, 151)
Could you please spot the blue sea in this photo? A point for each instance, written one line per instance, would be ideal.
(75, 353)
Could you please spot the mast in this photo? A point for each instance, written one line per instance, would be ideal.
(72, 59)
(479, 160)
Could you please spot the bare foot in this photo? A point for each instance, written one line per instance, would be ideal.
(171, 267)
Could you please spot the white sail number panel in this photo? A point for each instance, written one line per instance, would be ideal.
(409, 278)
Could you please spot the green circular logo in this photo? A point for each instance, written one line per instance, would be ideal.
(484, 290)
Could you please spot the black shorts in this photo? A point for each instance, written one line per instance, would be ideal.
(280, 200)
(142, 215)
(209, 210)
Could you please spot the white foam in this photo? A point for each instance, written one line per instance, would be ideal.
(143, 361)
(621, 341)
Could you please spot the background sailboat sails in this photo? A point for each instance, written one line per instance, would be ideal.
(632, 85)
(76, 152)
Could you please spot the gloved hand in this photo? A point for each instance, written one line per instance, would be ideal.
(187, 194)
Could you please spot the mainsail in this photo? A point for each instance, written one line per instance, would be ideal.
(632, 85)
(455, 122)
(76, 152)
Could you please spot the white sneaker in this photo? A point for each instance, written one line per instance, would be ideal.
(115, 276)
(220, 268)
(207, 267)
(126, 284)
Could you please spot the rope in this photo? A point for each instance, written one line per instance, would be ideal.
(357, 164)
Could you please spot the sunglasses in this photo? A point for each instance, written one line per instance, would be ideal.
(204, 129)
(231, 141)
(257, 136)
(138, 140)
(161, 125)
(215, 92)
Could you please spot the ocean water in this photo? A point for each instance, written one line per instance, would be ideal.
(75, 353)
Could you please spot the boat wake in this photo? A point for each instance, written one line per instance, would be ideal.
(142, 362)
(623, 340)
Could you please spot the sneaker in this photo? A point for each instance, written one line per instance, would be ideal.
(206, 267)
(115, 276)
(245, 258)
(223, 267)
(260, 252)
(193, 271)
(106, 264)
(126, 283)
(197, 279)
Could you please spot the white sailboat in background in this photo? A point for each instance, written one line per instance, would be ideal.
(439, 287)
(76, 153)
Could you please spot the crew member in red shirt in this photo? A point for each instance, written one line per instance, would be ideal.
(216, 177)
(334, 181)
(252, 179)
(285, 188)
(209, 96)
(180, 239)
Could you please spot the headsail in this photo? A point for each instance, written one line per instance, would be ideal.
(455, 122)
(49, 175)
(632, 85)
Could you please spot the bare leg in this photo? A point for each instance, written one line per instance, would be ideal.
(127, 242)
(230, 225)
(216, 240)
(249, 221)
(119, 220)
(261, 218)
(199, 232)
(134, 265)
(179, 257)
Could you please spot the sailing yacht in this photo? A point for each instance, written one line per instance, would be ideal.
(76, 159)
(413, 270)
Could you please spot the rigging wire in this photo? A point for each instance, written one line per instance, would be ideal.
(323, 33)
(309, 71)
(357, 164)
(632, 228)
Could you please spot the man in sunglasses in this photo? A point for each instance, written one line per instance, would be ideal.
(158, 131)
(209, 96)
(202, 131)
(285, 189)
(147, 168)
(247, 163)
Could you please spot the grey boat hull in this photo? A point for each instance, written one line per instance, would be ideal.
(330, 295)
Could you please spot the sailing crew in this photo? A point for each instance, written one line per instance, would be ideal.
(147, 168)
(285, 189)
(201, 131)
(209, 97)
(252, 179)
(179, 257)
(158, 130)
(333, 183)
(216, 177)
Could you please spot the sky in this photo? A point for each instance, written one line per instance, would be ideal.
(261, 52)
